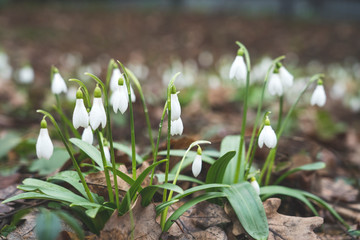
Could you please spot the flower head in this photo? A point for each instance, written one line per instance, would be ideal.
(119, 99)
(176, 127)
(44, 146)
(97, 113)
(319, 96)
(107, 154)
(132, 94)
(87, 135)
(267, 135)
(116, 74)
(58, 84)
(81, 115)
(197, 163)
(287, 78)
(26, 74)
(238, 68)
(275, 86)
(255, 185)
(175, 105)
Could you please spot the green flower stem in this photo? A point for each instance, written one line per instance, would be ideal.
(84, 89)
(132, 126)
(250, 149)
(87, 190)
(239, 165)
(109, 137)
(63, 121)
(281, 103)
(178, 173)
(110, 68)
(67, 122)
(253, 151)
(158, 142)
(271, 157)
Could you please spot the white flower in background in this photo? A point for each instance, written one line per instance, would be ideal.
(107, 154)
(26, 74)
(197, 163)
(176, 127)
(116, 74)
(255, 185)
(238, 68)
(275, 86)
(97, 113)
(88, 135)
(120, 98)
(5, 68)
(319, 96)
(44, 146)
(267, 135)
(80, 116)
(175, 105)
(58, 84)
(287, 79)
(71, 94)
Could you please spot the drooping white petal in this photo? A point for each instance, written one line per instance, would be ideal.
(256, 186)
(44, 146)
(319, 96)
(238, 69)
(287, 78)
(80, 116)
(58, 84)
(107, 154)
(274, 86)
(97, 114)
(175, 107)
(132, 94)
(87, 135)
(26, 75)
(120, 99)
(176, 127)
(196, 166)
(267, 137)
(114, 80)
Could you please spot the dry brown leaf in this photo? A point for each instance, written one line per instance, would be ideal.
(25, 230)
(145, 226)
(289, 227)
(337, 190)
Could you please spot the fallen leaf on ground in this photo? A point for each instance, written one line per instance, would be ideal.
(25, 230)
(145, 226)
(337, 190)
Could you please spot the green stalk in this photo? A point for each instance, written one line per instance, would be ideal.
(106, 171)
(67, 122)
(110, 68)
(87, 190)
(271, 157)
(63, 121)
(239, 165)
(281, 103)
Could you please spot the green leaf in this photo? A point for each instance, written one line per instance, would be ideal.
(8, 142)
(30, 195)
(189, 191)
(231, 143)
(161, 207)
(148, 192)
(122, 175)
(217, 170)
(90, 150)
(72, 223)
(127, 151)
(306, 167)
(48, 225)
(249, 209)
(171, 177)
(45, 167)
(188, 205)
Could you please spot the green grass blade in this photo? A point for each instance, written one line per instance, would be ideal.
(171, 177)
(189, 191)
(148, 192)
(217, 170)
(90, 150)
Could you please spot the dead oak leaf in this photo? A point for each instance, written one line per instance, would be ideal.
(145, 226)
(289, 227)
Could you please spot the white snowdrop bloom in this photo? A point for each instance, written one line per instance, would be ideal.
(120, 98)
(275, 86)
(107, 154)
(176, 127)
(197, 163)
(80, 116)
(87, 135)
(58, 84)
(132, 94)
(238, 69)
(287, 78)
(97, 113)
(116, 74)
(44, 146)
(26, 74)
(319, 96)
(255, 185)
(267, 136)
(175, 106)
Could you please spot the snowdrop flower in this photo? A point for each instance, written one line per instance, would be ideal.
(176, 127)
(238, 68)
(255, 185)
(44, 146)
(132, 94)
(275, 86)
(287, 78)
(319, 96)
(116, 74)
(81, 115)
(119, 99)
(107, 154)
(58, 84)
(175, 104)
(26, 74)
(97, 113)
(267, 135)
(87, 135)
(197, 163)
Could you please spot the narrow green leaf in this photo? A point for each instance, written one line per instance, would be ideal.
(188, 205)
(249, 209)
(161, 207)
(48, 225)
(231, 143)
(171, 177)
(8, 142)
(217, 170)
(148, 192)
(90, 150)
(127, 151)
(30, 195)
(72, 178)
(189, 191)
(72, 223)
(122, 175)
